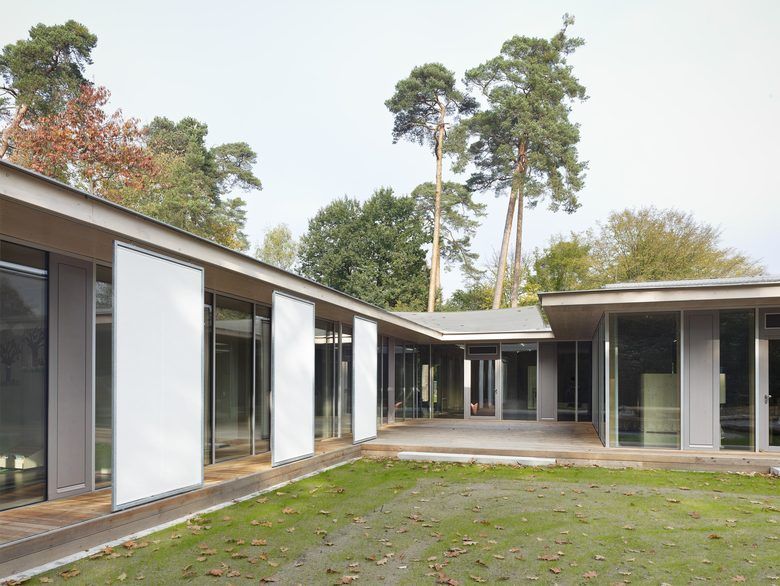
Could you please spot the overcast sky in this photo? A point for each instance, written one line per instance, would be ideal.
(683, 108)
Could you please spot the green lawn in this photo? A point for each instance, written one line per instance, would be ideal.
(409, 523)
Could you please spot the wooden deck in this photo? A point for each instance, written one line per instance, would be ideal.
(40, 533)
(566, 442)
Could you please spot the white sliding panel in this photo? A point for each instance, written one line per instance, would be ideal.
(292, 379)
(158, 376)
(364, 371)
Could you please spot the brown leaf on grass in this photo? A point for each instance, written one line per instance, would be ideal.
(289, 511)
(590, 574)
(331, 571)
(738, 578)
(71, 573)
(555, 570)
(347, 579)
(257, 542)
(122, 577)
(267, 580)
(713, 536)
(256, 523)
(216, 572)
(673, 501)
(548, 557)
(694, 515)
(479, 579)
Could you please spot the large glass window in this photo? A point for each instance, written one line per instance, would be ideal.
(584, 381)
(208, 374)
(382, 379)
(737, 375)
(567, 380)
(400, 381)
(233, 377)
(773, 396)
(104, 361)
(324, 379)
(483, 388)
(262, 378)
(23, 364)
(645, 381)
(574, 380)
(345, 377)
(519, 381)
(447, 381)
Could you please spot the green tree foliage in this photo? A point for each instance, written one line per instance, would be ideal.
(42, 73)
(423, 105)
(193, 181)
(278, 248)
(650, 244)
(565, 264)
(459, 213)
(525, 144)
(373, 250)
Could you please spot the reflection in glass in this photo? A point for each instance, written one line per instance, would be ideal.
(567, 381)
(773, 387)
(645, 381)
(483, 388)
(346, 379)
(519, 382)
(447, 381)
(382, 380)
(233, 377)
(324, 379)
(262, 379)
(584, 381)
(208, 373)
(400, 381)
(23, 363)
(737, 368)
(103, 374)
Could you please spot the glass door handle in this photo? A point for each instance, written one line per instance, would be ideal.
(766, 398)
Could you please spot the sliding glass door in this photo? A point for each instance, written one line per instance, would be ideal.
(232, 378)
(772, 398)
(23, 365)
(484, 388)
(518, 381)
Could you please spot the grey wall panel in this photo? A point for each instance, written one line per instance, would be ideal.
(391, 380)
(547, 400)
(70, 377)
(701, 380)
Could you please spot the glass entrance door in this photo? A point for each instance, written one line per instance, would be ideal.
(483, 388)
(519, 381)
(772, 397)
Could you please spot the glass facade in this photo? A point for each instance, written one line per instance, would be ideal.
(104, 360)
(573, 363)
(773, 396)
(23, 374)
(447, 381)
(345, 377)
(482, 388)
(644, 380)
(519, 381)
(208, 375)
(737, 379)
(567, 380)
(325, 341)
(262, 379)
(383, 379)
(233, 362)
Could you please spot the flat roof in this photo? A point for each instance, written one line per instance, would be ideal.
(527, 321)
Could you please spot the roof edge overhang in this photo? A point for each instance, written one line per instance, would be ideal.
(50, 196)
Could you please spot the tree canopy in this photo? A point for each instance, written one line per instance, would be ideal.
(278, 248)
(423, 105)
(524, 141)
(372, 250)
(631, 245)
(459, 221)
(42, 73)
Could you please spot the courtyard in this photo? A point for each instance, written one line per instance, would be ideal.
(373, 521)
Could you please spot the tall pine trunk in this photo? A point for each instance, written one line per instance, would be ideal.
(5, 139)
(518, 184)
(498, 290)
(433, 285)
(517, 265)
